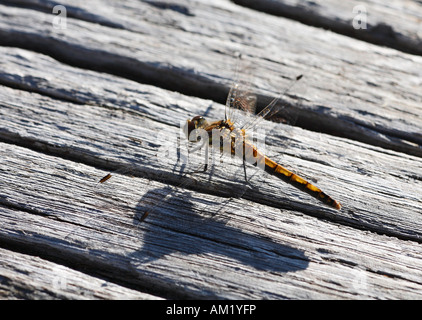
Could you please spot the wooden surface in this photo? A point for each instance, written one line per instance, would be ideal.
(108, 94)
(394, 24)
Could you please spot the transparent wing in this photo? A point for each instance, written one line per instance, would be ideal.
(271, 109)
(241, 98)
(241, 101)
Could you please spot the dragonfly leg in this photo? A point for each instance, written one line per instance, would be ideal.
(205, 164)
(246, 176)
(244, 170)
(206, 157)
(201, 170)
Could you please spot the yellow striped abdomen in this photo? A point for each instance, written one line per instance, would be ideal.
(279, 171)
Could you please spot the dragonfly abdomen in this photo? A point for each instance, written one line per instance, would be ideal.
(282, 173)
(239, 147)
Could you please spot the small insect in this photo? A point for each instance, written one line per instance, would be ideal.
(236, 138)
(105, 178)
(146, 213)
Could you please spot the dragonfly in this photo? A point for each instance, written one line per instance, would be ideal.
(234, 139)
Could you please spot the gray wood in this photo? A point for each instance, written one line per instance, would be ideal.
(191, 245)
(393, 23)
(28, 277)
(127, 139)
(207, 235)
(138, 137)
(350, 88)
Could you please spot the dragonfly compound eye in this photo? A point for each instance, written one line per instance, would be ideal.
(194, 128)
(190, 130)
(189, 127)
(198, 120)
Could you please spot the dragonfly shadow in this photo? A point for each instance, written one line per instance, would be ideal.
(176, 225)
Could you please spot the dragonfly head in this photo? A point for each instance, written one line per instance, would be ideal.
(197, 122)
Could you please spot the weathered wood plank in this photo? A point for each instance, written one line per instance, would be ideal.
(197, 244)
(192, 245)
(393, 23)
(379, 190)
(28, 277)
(353, 89)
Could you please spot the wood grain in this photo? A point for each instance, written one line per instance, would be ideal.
(139, 136)
(396, 24)
(108, 95)
(28, 277)
(354, 90)
(191, 244)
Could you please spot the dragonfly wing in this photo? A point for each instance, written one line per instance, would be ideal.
(265, 113)
(272, 108)
(241, 97)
